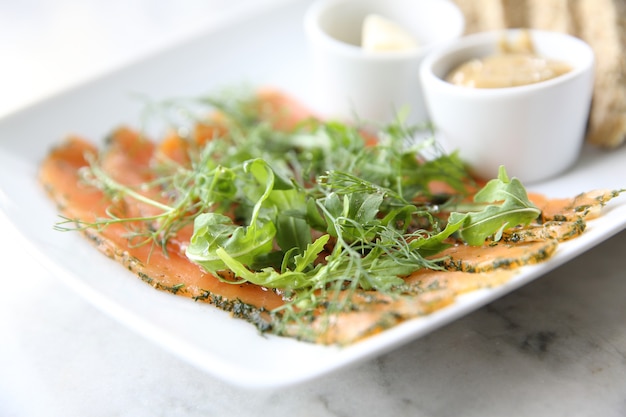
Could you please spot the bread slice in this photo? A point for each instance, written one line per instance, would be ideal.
(515, 13)
(482, 14)
(601, 23)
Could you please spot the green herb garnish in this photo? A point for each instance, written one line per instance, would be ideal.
(314, 211)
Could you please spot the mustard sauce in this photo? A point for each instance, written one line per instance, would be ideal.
(514, 65)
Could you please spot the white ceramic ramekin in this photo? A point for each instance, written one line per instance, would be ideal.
(536, 131)
(351, 83)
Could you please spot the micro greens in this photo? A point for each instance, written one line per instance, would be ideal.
(314, 210)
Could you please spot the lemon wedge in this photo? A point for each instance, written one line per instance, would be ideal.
(380, 34)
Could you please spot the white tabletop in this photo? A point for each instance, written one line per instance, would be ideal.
(556, 347)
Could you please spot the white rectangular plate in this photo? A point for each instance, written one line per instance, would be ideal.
(267, 47)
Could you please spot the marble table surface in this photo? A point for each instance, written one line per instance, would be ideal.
(556, 347)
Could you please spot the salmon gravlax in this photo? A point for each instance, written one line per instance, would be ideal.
(306, 228)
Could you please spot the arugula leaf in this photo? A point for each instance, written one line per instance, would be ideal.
(214, 232)
(512, 207)
(299, 277)
(353, 216)
(433, 244)
(286, 203)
